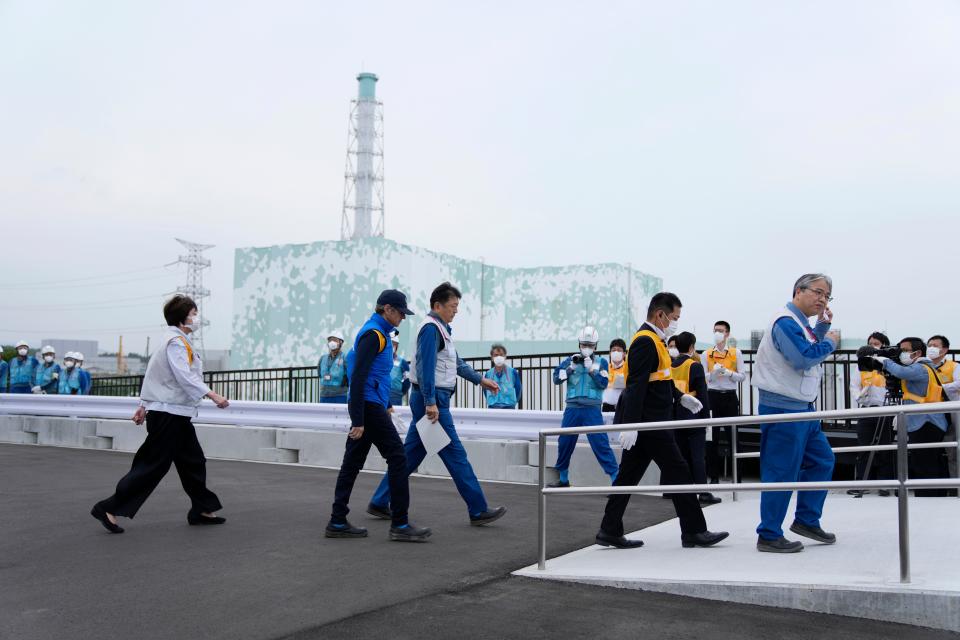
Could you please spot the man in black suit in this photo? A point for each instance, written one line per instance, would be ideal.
(649, 397)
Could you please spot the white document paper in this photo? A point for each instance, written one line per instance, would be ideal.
(398, 422)
(432, 435)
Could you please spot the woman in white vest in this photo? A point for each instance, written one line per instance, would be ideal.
(173, 388)
(788, 373)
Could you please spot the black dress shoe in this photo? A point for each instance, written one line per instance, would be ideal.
(487, 516)
(198, 518)
(559, 484)
(705, 539)
(101, 515)
(410, 533)
(814, 533)
(604, 539)
(379, 512)
(709, 498)
(344, 530)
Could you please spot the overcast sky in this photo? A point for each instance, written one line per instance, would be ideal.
(727, 147)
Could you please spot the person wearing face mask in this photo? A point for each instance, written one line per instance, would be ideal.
(688, 376)
(23, 369)
(788, 372)
(723, 365)
(616, 375)
(650, 396)
(938, 348)
(434, 373)
(86, 383)
(173, 388)
(332, 371)
(920, 384)
(507, 379)
(47, 378)
(399, 375)
(69, 377)
(586, 375)
(869, 389)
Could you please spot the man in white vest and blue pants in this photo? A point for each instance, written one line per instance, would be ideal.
(788, 373)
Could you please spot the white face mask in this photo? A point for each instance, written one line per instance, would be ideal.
(48, 359)
(333, 345)
(23, 351)
(933, 352)
(586, 352)
(671, 329)
(616, 356)
(673, 352)
(69, 364)
(905, 358)
(719, 337)
(193, 322)
(499, 360)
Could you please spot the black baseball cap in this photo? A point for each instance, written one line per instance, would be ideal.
(395, 299)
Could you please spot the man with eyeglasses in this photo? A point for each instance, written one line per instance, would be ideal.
(788, 372)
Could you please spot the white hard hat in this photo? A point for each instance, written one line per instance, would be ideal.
(69, 355)
(22, 343)
(47, 349)
(589, 335)
(78, 356)
(336, 334)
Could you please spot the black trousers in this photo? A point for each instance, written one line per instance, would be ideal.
(171, 439)
(659, 447)
(883, 461)
(723, 404)
(379, 432)
(692, 444)
(927, 463)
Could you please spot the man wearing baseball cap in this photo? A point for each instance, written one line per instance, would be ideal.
(369, 364)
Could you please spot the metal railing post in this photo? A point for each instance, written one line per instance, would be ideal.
(733, 448)
(542, 504)
(902, 513)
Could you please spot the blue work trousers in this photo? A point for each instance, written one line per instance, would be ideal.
(454, 456)
(599, 442)
(792, 452)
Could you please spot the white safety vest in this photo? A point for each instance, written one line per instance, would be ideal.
(159, 384)
(446, 370)
(773, 373)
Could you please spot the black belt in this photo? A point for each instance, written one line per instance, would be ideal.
(722, 390)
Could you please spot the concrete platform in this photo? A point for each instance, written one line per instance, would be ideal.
(858, 576)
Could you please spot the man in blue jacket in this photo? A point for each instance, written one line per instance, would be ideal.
(434, 374)
(788, 372)
(23, 369)
(507, 379)
(368, 366)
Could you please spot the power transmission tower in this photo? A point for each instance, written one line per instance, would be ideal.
(196, 263)
(363, 178)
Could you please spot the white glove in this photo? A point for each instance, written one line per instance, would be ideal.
(721, 370)
(35, 389)
(690, 403)
(588, 363)
(562, 375)
(880, 359)
(56, 375)
(628, 439)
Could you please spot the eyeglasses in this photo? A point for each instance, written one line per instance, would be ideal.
(820, 293)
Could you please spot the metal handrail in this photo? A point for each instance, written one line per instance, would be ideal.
(902, 483)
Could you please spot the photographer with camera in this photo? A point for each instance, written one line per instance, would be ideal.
(949, 373)
(868, 388)
(920, 384)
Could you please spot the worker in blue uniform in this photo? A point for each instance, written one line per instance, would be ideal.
(23, 369)
(46, 380)
(86, 382)
(4, 375)
(399, 375)
(369, 364)
(506, 377)
(69, 383)
(433, 373)
(586, 375)
(332, 371)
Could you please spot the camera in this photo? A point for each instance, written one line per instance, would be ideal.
(577, 359)
(865, 362)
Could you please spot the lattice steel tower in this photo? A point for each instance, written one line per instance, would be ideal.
(196, 263)
(363, 178)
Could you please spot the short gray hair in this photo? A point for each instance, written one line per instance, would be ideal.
(804, 281)
(497, 345)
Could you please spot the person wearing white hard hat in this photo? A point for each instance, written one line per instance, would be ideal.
(86, 383)
(400, 374)
(586, 375)
(23, 369)
(507, 378)
(69, 376)
(332, 371)
(46, 380)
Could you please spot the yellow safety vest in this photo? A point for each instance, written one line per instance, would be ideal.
(934, 390)
(728, 359)
(189, 350)
(681, 375)
(663, 371)
(945, 372)
(613, 372)
(872, 379)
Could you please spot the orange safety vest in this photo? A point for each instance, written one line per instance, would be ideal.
(728, 359)
(872, 379)
(189, 350)
(945, 372)
(681, 375)
(613, 371)
(663, 371)
(934, 390)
